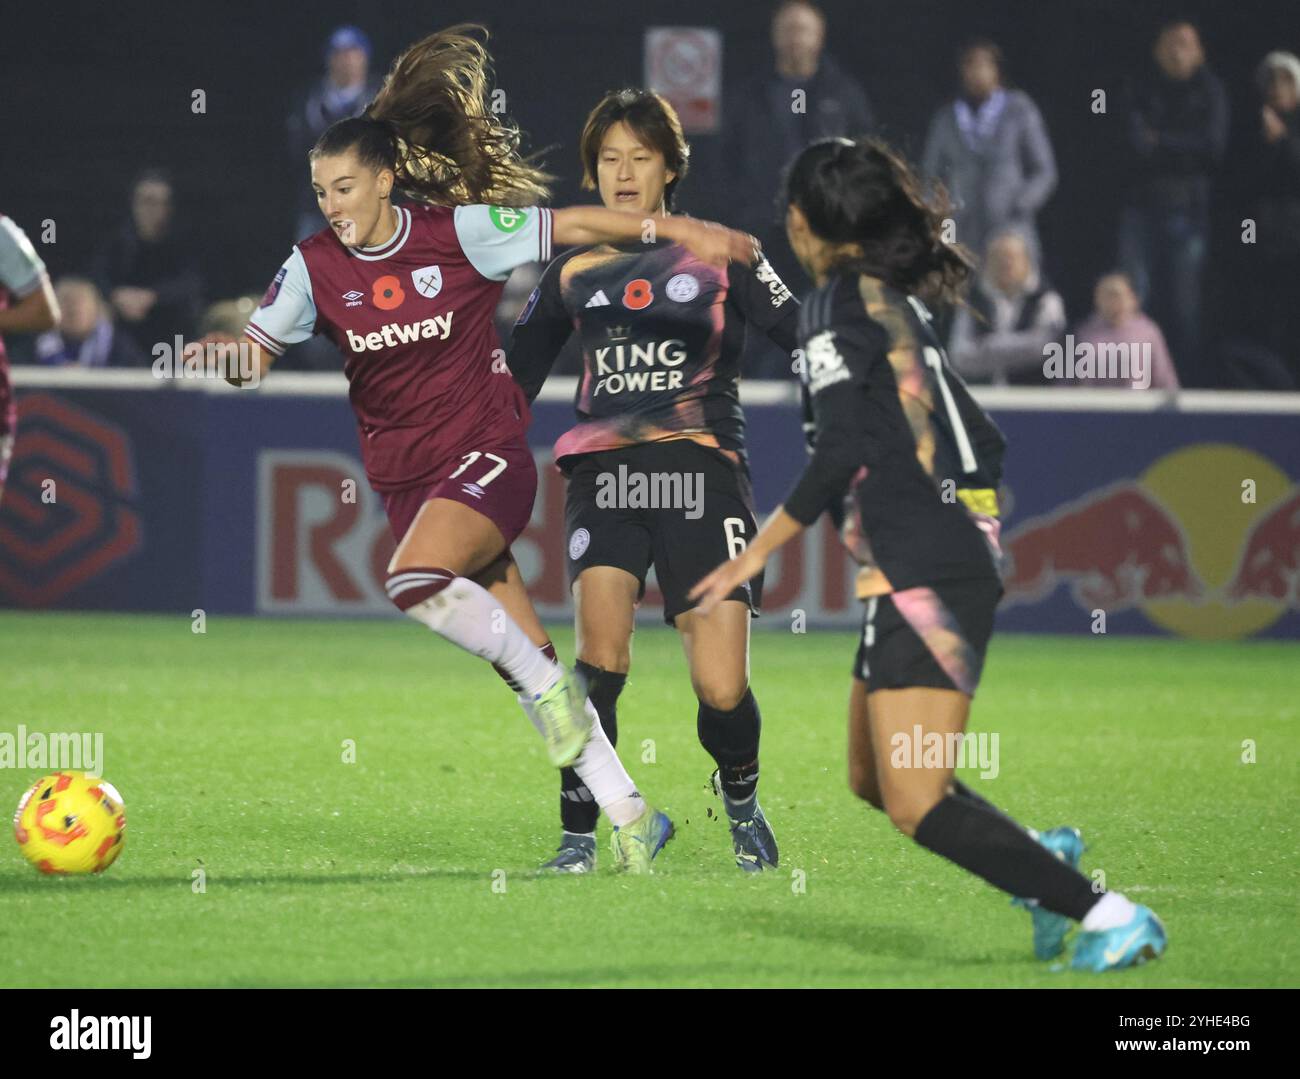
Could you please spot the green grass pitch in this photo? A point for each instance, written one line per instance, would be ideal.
(413, 865)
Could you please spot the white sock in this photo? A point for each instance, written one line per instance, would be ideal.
(599, 767)
(466, 614)
(526, 703)
(601, 770)
(1109, 912)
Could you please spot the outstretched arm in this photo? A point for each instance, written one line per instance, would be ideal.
(36, 311)
(496, 239)
(286, 316)
(777, 531)
(23, 273)
(708, 241)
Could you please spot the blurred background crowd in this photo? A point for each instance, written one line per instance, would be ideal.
(1153, 200)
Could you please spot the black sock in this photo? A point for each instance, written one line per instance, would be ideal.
(731, 739)
(984, 841)
(578, 809)
(962, 791)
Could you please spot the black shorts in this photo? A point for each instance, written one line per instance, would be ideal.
(690, 511)
(935, 636)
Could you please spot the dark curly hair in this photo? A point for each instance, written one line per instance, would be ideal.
(860, 191)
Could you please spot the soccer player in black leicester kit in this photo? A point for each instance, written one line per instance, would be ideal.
(895, 428)
(656, 462)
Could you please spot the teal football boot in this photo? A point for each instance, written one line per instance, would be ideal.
(1131, 945)
(1050, 928)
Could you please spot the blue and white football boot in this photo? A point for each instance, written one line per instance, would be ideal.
(1131, 945)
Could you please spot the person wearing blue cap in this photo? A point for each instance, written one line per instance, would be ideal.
(345, 89)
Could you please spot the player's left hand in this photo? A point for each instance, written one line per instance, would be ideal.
(718, 585)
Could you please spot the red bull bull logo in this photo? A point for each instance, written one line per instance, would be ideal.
(1116, 547)
(1270, 564)
(1205, 542)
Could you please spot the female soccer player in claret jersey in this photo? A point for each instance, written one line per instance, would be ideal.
(407, 293)
(658, 405)
(27, 305)
(897, 431)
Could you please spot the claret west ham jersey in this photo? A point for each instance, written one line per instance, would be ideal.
(662, 334)
(21, 271)
(413, 319)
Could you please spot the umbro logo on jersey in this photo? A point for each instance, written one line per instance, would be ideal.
(472, 489)
(598, 300)
(353, 298)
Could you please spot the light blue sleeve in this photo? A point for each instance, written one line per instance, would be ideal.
(496, 239)
(288, 311)
(21, 268)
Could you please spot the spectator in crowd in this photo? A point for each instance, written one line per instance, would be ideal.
(1118, 326)
(1177, 126)
(990, 150)
(1275, 190)
(775, 113)
(87, 335)
(769, 118)
(344, 91)
(1013, 314)
(148, 270)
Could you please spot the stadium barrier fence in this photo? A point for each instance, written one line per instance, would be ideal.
(1132, 512)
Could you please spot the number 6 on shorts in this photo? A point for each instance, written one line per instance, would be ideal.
(734, 527)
